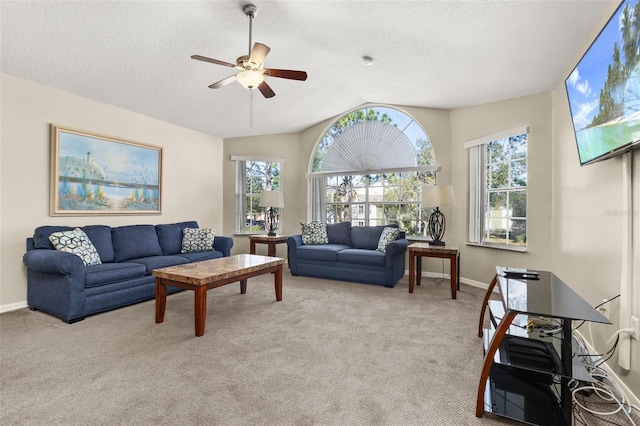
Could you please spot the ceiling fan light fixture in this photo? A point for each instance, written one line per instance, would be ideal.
(250, 79)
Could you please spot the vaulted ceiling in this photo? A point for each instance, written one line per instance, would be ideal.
(437, 54)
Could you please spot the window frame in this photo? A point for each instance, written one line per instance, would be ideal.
(241, 192)
(478, 212)
(318, 178)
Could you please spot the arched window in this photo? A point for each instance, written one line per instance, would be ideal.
(368, 169)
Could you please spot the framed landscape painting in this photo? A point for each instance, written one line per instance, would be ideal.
(100, 175)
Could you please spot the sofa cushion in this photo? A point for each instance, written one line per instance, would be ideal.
(135, 241)
(339, 233)
(388, 234)
(326, 252)
(107, 273)
(314, 233)
(197, 239)
(100, 236)
(367, 237)
(197, 256)
(76, 242)
(362, 257)
(170, 236)
(41, 235)
(157, 262)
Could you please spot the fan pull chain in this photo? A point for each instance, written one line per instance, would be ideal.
(251, 108)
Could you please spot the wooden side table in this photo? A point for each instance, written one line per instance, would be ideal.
(419, 250)
(271, 243)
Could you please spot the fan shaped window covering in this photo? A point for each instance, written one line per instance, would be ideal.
(381, 144)
(370, 145)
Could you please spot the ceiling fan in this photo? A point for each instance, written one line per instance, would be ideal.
(252, 67)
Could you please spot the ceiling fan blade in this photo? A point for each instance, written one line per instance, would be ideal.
(213, 61)
(266, 91)
(222, 82)
(258, 53)
(290, 74)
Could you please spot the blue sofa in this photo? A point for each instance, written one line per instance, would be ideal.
(350, 255)
(60, 284)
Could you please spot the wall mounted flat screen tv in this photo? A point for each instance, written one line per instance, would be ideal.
(604, 89)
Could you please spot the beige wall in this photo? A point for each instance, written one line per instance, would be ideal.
(191, 174)
(285, 146)
(478, 263)
(588, 226)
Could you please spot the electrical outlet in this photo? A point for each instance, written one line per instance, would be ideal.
(635, 324)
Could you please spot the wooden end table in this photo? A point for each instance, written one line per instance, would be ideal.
(271, 242)
(419, 250)
(208, 274)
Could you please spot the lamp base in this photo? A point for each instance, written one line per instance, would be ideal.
(271, 233)
(436, 243)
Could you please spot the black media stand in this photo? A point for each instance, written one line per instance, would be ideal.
(525, 375)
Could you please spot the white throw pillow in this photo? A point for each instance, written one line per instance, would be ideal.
(388, 235)
(76, 242)
(197, 239)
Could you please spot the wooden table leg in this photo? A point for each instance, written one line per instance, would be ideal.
(271, 249)
(418, 269)
(412, 271)
(458, 270)
(252, 247)
(243, 286)
(277, 277)
(453, 272)
(200, 309)
(161, 300)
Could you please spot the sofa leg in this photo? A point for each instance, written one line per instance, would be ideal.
(71, 321)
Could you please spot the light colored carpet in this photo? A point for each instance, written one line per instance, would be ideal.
(330, 353)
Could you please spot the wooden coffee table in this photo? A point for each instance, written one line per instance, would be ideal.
(208, 274)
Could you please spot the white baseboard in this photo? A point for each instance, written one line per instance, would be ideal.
(463, 280)
(13, 307)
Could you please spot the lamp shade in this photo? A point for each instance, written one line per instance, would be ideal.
(273, 199)
(437, 196)
(250, 78)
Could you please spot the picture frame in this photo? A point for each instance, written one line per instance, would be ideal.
(94, 174)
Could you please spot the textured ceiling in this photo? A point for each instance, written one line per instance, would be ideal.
(439, 54)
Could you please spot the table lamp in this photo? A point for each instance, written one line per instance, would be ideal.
(273, 200)
(434, 197)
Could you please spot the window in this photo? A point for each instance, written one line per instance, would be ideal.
(378, 199)
(253, 175)
(498, 189)
(368, 169)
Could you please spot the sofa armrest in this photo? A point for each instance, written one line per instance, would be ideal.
(53, 261)
(223, 244)
(56, 283)
(396, 247)
(293, 242)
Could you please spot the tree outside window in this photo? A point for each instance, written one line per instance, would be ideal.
(506, 192)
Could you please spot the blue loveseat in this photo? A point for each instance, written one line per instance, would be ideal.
(350, 255)
(60, 284)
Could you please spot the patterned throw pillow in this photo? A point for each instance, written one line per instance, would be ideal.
(314, 233)
(76, 242)
(388, 235)
(197, 239)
